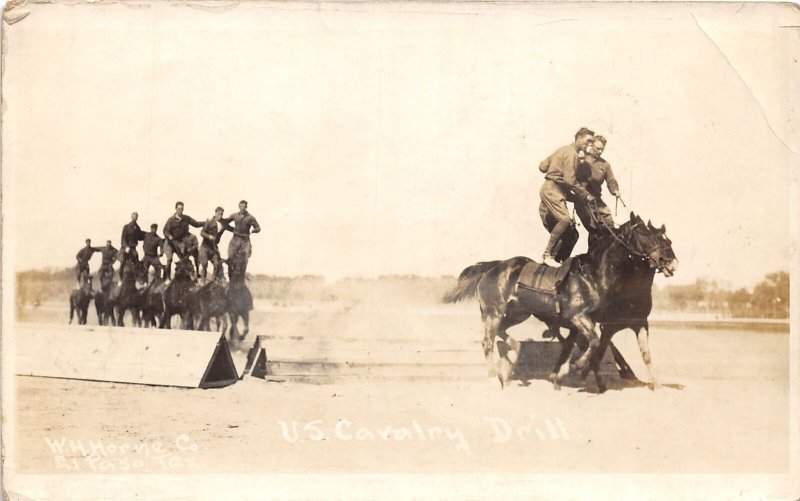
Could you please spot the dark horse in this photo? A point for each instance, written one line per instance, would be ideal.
(105, 298)
(129, 298)
(211, 301)
(79, 300)
(240, 301)
(152, 301)
(610, 284)
(178, 296)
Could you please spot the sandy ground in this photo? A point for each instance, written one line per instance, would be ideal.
(723, 408)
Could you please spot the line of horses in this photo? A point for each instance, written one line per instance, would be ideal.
(156, 304)
(610, 286)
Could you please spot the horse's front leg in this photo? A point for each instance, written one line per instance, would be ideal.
(585, 326)
(246, 320)
(566, 348)
(625, 371)
(594, 363)
(234, 333)
(643, 337)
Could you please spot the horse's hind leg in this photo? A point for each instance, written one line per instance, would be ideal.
(490, 326)
(508, 348)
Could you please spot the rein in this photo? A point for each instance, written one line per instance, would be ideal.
(612, 232)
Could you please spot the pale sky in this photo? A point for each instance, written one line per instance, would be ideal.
(398, 138)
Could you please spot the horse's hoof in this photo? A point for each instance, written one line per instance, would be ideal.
(601, 388)
(627, 374)
(555, 380)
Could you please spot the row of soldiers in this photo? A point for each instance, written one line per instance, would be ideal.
(177, 240)
(576, 173)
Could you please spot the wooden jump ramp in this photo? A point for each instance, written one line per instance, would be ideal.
(188, 359)
(195, 359)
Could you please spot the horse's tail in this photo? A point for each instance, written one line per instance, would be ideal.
(71, 308)
(467, 285)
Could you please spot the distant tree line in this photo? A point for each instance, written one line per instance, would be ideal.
(768, 299)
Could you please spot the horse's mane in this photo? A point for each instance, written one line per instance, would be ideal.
(609, 238)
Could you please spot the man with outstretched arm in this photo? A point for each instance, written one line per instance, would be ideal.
(239, 248)
(82, 257)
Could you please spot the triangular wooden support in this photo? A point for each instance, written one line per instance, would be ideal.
(220, 371)
(256, 365)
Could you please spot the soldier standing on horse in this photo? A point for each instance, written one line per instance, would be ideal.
(109, 255)
(131, 235)
(176, 233)
(559, 186)
(209, 249)
(592, 172)
(83, 256)
(153, 248)
(239, 248)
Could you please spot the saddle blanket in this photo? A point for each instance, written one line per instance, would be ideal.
(542, 278)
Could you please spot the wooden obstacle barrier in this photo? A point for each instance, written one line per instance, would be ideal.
(256, 365)
(325, 360)
(189, 359)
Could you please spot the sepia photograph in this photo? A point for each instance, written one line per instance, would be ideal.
(400, 250)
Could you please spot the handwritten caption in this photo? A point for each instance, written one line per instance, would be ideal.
(499, 430)
(110, 457)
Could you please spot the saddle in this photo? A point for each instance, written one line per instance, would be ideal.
(541, 278)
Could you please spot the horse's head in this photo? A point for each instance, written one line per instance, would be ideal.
(652, 244)
(134, 272)
(184, 270)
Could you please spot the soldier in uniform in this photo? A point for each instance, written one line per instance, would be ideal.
(176, 233)
(209, 248)
(131, 235)
(559, 186)
(592, 173)
(239, 248)
(83, 256)
(109, 255)
(153, 248)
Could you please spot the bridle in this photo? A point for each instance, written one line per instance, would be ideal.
(633, 254)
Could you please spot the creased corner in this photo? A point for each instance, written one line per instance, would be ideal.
(14, 11)
(744, 82)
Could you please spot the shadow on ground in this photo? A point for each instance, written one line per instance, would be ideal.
(537, 360)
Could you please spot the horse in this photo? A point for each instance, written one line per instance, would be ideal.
(211, 301)
(105, 298)
(629, 308)
(594, 283)
(178, 296)
(240, 300)
(129, 297)
(79, 300)
(152, 301)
